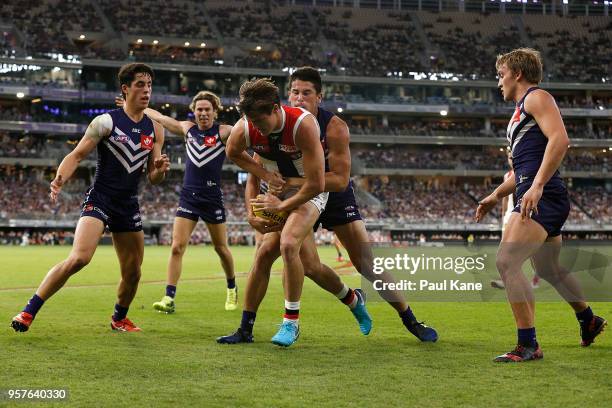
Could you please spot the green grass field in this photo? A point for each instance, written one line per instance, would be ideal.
(175, 360)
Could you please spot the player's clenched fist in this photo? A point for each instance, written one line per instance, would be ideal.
(56, 187)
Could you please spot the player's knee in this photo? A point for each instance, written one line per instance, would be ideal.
(221, 249)
(503, 263)
(178, 248)
(133, 276)
(77, 262)
(289, 247)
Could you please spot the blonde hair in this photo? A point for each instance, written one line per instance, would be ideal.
(524, 60)
(207, 96)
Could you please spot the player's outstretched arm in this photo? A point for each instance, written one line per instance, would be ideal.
(541, 105)
(158, 163)
(98, 129)
(173, 125)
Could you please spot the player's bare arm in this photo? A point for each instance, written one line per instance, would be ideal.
(339, 158)
(158, 163)
(224, 132)
(173, 125)
(308, 142)
(98, 129)
(488, 203)
(541, 105)
(236, 151)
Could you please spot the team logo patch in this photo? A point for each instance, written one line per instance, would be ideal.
(88, 207)
(210, 141)
(146, 142)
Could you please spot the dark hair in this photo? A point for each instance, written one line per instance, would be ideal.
(308, 74)
(258, 96)
(128, 72)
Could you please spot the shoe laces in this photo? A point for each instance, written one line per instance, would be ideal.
(231, 295)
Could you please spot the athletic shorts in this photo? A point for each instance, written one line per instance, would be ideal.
(208, 206)
(117, 214)
(553, 208)
(341, 209)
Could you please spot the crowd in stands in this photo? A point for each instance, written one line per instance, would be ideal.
(492, 158)
(595, 201)
(354, 41)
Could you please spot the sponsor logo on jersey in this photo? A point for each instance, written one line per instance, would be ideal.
(210, 183)
(210, 141)
(136, 216)
(287, 148)
(260, 148)
(121, 138)
(88, 207)
(349, 208)
(218, 211)
(146, 142)
(522, 178)
(135, 130)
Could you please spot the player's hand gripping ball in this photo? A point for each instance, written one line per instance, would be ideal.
(276, 217)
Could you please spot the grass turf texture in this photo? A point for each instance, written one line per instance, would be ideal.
(175, 360)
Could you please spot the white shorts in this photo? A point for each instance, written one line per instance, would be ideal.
(319, 201)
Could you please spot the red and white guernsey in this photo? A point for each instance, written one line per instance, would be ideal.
(278, 151)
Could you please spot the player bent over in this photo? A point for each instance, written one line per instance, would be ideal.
(126, 140)
(538, 142)
(287, 139)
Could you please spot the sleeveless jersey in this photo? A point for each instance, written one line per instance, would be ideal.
(527, 143)
(278, 151)
(204, 158)
(123, 155)
(324, 117)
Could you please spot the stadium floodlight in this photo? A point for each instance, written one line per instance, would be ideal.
(443, 113)
(203, 45)
(82, 37)
(340, 110)
(155, 42)
(187, 44)
(258, 48)
(20, 95)
(139, 41)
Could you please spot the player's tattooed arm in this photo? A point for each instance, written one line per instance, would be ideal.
(224, 133)
(98, 129)
(158, 163)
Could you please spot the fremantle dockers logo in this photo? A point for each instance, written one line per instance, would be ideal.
(210, 141)
(146, 142)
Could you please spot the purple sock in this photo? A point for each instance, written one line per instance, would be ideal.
(34, 305)
(120, 312)
(171, 291)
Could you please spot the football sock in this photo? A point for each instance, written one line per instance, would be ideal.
(527, 337)
(348, 297)
(248, 321)
(585, 317)
(231, 283)
(120, 312)
(292, 312)
(407, 317)
(34, 305)
(171, 291)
